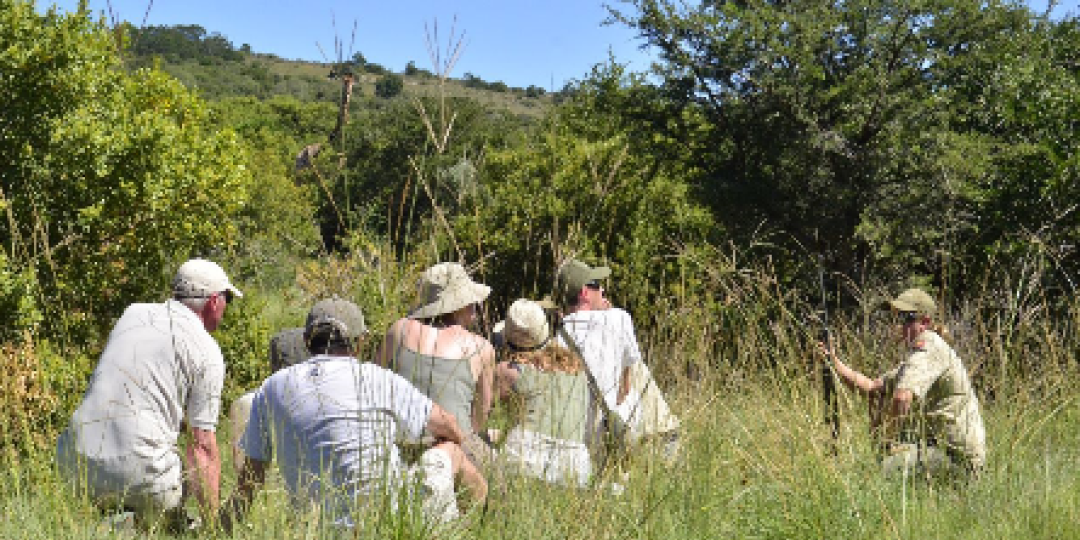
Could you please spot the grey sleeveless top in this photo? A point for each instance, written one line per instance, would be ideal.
(447, 381)
(555, 403)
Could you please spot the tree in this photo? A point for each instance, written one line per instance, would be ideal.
(109, 178)
(389, 85)
(878, 133)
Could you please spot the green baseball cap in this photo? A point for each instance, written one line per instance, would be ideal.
(573, 275)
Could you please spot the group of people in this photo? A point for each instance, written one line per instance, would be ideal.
(409, 428)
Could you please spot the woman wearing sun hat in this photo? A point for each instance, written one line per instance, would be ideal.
(931, 421)
(549, 441)
(434, 349)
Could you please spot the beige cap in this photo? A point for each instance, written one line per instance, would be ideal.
(446, 288)
(200, 278)
(526, 326)
(913, 300)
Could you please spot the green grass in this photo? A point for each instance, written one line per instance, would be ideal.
(759, 463)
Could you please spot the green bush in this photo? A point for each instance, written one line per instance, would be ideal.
(110, 178)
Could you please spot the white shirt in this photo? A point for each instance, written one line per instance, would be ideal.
(160, 367)
(607, 344)
(332, 423)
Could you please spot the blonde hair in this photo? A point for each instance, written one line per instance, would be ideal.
(943, 331)
(550, 358)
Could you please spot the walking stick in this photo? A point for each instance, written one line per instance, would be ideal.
(828, 379)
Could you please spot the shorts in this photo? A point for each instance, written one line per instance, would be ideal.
(553, 460)
(432, 480)
(924, 461)
(140, 484)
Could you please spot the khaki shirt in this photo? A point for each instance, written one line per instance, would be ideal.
(947, 408)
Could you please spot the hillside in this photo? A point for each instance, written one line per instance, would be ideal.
(208, 61)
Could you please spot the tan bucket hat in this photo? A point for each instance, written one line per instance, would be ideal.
(525, 328)
(446, 288)
(913, 300)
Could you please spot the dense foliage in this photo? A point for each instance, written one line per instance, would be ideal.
(108, 177)
(891, 136)
(928, 141)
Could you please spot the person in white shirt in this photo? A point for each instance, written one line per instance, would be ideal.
(604, 337)
(332, 421)
(287, 348)
(160, 370)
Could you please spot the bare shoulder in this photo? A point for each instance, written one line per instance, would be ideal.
(474, 344)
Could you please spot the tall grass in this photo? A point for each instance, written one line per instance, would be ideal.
(732, 357)
(758, 461)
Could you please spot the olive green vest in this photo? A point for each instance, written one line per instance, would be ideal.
(447, 381)
(555, 403)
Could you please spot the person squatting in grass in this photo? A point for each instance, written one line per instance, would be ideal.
(549, 441)
(160, 370)
(332, 423)
(434, 348)
(924, 410)
(287, 348)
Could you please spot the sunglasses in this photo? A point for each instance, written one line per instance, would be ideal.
(227, 295)
(910, 316)
(594, 285)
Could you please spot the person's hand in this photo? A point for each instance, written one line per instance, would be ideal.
(824, 352)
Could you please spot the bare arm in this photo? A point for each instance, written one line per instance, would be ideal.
(385, 354)
(853, 378)
(443, 426)
(624, 386)
(205, 460)
(465, 473)
(484, 389)
(899, 408)
(505, 379)
(252, 476)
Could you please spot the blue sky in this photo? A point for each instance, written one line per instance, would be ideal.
(522, 43)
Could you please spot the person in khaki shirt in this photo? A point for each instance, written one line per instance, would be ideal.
(925, 409)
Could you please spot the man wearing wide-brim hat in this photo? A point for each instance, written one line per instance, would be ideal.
(604, 337)
(931, 422)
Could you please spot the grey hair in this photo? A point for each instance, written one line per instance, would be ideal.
(196, 303)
